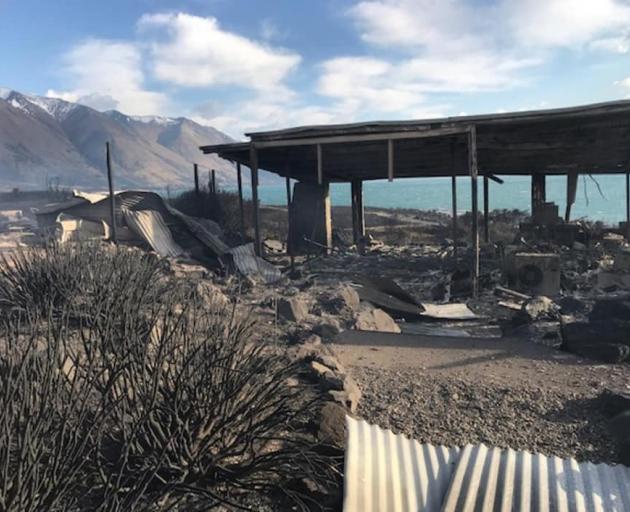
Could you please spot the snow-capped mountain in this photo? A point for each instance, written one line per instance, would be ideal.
(42, 138)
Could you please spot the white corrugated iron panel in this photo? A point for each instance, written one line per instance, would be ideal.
(387, 472)
(150, 225)
(249, 264)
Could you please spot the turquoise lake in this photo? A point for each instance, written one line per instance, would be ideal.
(435, 194)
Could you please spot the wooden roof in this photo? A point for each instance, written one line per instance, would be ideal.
(592, 139)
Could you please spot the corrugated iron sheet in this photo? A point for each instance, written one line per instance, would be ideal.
(387, 472)
(249, 264)
(151, 227)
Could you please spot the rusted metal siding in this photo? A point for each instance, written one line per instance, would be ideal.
(387, 472)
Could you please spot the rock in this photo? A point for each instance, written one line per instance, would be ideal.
(293, 309)
(609, 309)
(332, 425)
(310, 348)
(606, 352)
(571, 305)
(211, 294)
(328, 329)
(344, 298)
(331, 362)
(615, 402)
(620, 426)
(375, 320)
(326, 377)
(350, 297)
(539, 307)
(292, 382)
(349, 396)
(441, 291)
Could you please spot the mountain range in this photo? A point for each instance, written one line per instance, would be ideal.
(44, 140)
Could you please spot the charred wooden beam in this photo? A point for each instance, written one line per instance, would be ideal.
(253, 159)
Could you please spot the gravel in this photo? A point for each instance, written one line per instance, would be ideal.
(453, 412)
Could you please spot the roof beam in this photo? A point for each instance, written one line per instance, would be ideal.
(341, 139)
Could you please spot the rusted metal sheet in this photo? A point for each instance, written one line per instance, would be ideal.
(387, 472)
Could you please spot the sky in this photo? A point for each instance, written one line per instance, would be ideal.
(247, 65)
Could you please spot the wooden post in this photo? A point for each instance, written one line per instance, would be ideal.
(112, 196)
(196, 173)
(253, 165)
(214, 181)
(358, 222)
(572, 181)
(390, 160)
(472, 167)
(320, 170)
(327, 217)
(454, 202)
(539, 193)
(627, 203)
(486, 209)
(289, 241)
(239, 179)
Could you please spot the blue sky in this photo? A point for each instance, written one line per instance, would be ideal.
(248, 65)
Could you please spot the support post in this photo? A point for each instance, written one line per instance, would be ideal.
(454, 203)
(358, 222)
(196, 173)
(390, 160)
(486, 209)
(627, 203)
(320, 169)
(112, 196)
(572, 180)
(289, 241)
(472, 167)
(239, 179)
(539, 193)
(253, 165)
(214, 181)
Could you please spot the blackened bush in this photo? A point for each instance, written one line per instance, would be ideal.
(37, 279)
(145, 400)
(222, 207)
(49, 423)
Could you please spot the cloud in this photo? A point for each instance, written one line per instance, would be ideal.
(193, 51)
(564, 23)
(460, 46)
(449, 26)
(106, 75)
(619, 44)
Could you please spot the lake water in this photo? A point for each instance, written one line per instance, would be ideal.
(435, 194)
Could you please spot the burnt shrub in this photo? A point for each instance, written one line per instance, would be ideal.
(37, 279)
(222, 207)
(143, 395)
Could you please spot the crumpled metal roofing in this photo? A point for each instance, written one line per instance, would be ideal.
(150, 225)
(387, 472)
(249, 264)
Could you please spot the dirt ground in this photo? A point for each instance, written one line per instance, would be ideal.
(502, 392)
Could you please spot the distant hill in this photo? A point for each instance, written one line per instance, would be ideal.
(43, 139)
